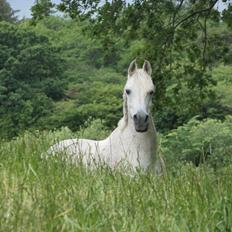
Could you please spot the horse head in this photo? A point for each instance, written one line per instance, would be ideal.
(138, 93)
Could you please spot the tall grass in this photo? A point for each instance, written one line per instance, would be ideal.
(50, 195)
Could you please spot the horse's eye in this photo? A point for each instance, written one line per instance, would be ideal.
(151, 92)
(128, 91)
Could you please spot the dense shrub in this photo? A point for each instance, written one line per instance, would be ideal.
(207, 141)
(93, 129)
(31, 79)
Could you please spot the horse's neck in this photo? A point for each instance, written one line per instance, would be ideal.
(137, 147)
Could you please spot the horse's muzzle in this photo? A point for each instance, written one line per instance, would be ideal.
(141, 121)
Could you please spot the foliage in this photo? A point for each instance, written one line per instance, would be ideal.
(198, 142)
(219, 44)
(51, 195)
(173, 35)
(93, 91)
(42, 9)
(6, 12)
(227, 15)
(220, 105)
(182, 40)
(88, 100)
(85, 67)
(102, 101)
(30, 78)
(93, 129)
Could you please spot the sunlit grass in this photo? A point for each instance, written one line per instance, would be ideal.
(50, 195)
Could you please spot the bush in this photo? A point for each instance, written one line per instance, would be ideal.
(207, 141)
(93, 129)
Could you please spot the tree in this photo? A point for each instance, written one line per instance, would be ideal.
(41, 9)
(227, 15)
(6, 12)
(31, 79)
(171, 34)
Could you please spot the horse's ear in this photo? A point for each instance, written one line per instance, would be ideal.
(147, 67)
(132, 68)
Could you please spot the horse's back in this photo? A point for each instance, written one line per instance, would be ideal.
(77, 149)
(64, 146)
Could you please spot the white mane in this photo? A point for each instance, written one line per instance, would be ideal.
(134, 141)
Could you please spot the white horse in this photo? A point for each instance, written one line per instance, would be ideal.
(134, 141)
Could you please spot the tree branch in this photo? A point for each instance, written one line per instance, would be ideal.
(196, 13)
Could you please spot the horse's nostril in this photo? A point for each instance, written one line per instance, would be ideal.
(146, 118)
(135, 117)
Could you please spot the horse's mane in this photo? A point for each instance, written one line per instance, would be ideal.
(124, 120)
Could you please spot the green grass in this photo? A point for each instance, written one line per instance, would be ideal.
(50, 195)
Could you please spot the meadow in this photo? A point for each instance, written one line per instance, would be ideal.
(63, 76)
(51, 195)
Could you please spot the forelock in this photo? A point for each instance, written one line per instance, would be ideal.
(142, 78)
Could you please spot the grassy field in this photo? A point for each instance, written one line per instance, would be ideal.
(50, 195)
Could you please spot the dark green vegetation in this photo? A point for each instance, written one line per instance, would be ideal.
(62, 72)
(68, 74)
(6, 12)
(209, 140)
